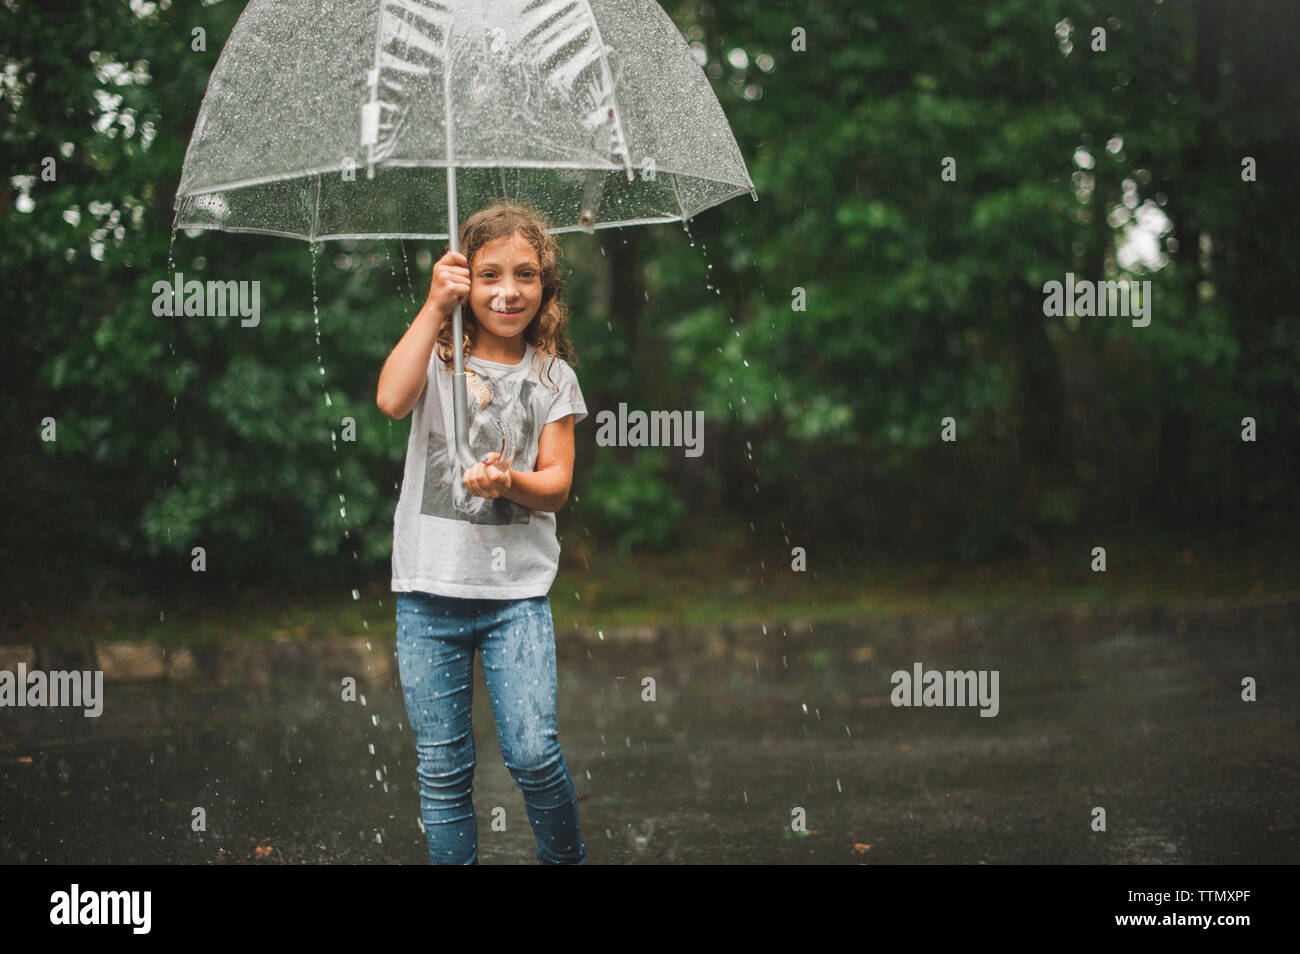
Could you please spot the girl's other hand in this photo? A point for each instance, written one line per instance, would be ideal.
(450, 282)
(489, 478)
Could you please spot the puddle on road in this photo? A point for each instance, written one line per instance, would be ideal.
(742, 737)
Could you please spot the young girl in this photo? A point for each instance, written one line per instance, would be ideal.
(475, 553)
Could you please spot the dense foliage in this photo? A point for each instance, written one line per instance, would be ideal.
(923, 295)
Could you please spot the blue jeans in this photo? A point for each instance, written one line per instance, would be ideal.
(436, 639)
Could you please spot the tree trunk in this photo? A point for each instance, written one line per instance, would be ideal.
(1169, 488)
(626, 282)
(1041, 411)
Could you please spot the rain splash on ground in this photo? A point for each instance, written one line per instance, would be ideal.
(1138, 713)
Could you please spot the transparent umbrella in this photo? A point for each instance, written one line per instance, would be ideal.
(372, 119)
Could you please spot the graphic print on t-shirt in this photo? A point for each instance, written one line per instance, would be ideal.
(445, 493)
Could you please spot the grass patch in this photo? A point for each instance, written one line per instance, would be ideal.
(717, 575)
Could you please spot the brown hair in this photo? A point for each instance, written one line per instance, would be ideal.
(547, 332)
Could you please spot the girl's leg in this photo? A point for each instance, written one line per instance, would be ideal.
(435, 658)
(517, 644)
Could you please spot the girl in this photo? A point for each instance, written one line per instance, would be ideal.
(474, 554)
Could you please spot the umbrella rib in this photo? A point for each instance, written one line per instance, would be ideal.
(613, 97)
(372, 81)
(678, 196)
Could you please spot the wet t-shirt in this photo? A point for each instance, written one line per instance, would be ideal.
(449, 542)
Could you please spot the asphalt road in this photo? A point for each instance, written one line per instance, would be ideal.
(1140, 717)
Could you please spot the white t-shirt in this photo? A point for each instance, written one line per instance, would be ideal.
(446, 540)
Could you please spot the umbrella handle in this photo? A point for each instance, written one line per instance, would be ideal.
(506, 459)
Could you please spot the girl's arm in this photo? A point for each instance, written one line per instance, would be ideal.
(547, 487)
(405, 373)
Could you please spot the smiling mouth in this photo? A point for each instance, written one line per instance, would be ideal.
(504, 311)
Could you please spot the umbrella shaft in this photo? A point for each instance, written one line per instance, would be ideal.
(459, 393)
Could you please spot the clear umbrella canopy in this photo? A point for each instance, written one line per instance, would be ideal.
(332, 119)
(372, 119)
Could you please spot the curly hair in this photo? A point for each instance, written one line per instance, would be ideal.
(547, 332)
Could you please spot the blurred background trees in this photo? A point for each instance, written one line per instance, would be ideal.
(923, 299)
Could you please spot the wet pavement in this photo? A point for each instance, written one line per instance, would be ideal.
(1138, 712)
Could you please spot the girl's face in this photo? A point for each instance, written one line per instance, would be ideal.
(505, 287)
